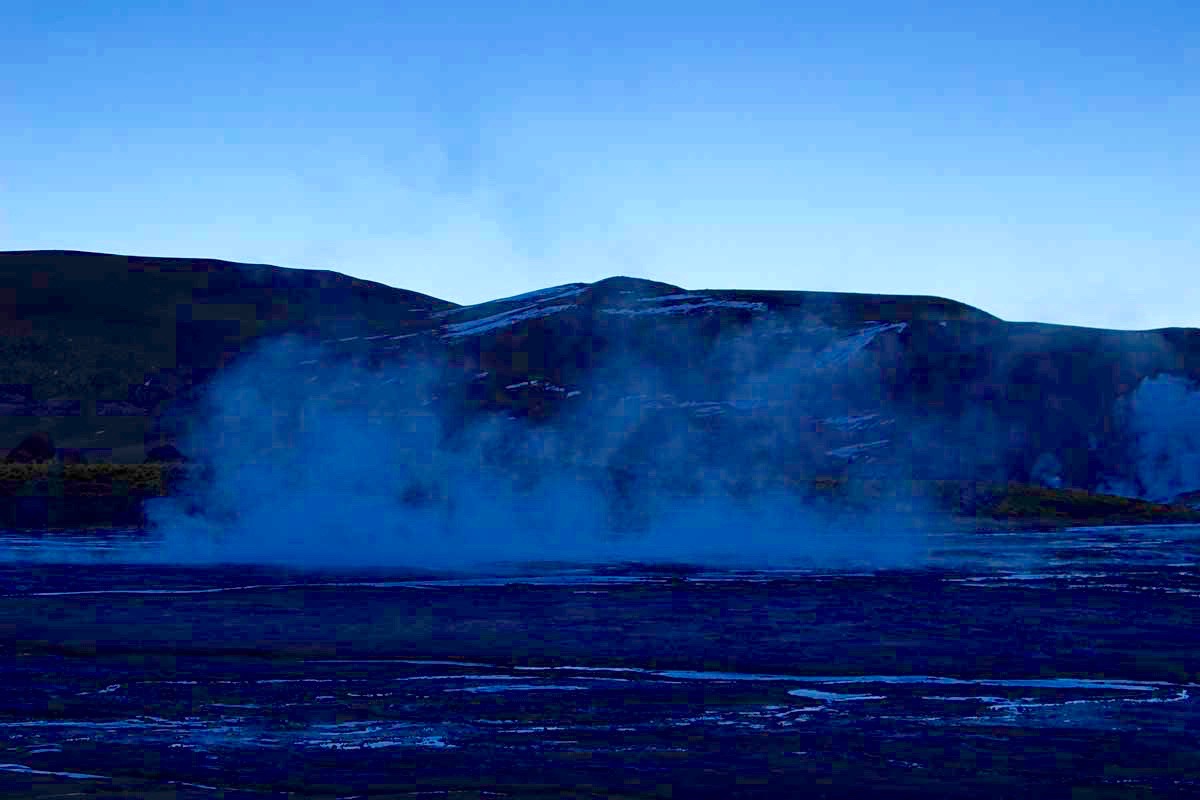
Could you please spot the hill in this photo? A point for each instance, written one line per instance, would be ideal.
(638, 386)
(97, 347)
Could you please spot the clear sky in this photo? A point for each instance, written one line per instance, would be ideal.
(1040, 160)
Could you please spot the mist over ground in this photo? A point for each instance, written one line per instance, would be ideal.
(353, 467)
(1162, 417)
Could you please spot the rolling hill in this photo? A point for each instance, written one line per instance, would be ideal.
(95, 348)
(629, 381)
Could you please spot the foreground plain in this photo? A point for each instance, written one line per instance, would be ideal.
(1021, 664)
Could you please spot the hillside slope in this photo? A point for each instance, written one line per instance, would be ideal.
(762, 388)
(95, 347)
(630, 381)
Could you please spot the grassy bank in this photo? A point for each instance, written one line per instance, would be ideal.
(991, 505)
(55, 495)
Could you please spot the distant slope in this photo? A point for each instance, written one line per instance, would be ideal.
(93, 345)
(648, 377)
(636, 382)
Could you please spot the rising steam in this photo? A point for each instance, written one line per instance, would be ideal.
(354, 469)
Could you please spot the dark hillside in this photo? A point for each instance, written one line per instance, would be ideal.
(634, 383)
(94, 347)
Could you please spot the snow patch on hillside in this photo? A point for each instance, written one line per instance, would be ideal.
(532, 298)
(853, 451)
(842, 351)
(698, 408)
(685, 308)
(538, 384)
(502, 320)
(681, 296)
(546, 295)
(851, 423)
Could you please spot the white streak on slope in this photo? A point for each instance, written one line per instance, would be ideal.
(503, 320)
(841, 352)
(684, 308)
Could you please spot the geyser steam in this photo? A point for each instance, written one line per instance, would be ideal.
(351, 468)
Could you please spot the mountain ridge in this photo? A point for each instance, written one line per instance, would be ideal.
(806, 383)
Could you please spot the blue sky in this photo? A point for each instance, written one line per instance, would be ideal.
(1039, 160)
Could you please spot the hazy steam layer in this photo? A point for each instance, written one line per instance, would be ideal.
(1162, 416)
(352, 469)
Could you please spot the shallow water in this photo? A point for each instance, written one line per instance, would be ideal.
(1031, 664)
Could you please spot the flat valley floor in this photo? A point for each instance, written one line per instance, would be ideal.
(1030, 665)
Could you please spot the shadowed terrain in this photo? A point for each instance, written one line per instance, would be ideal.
(610, 540)
(1044, 665)
(636, 383)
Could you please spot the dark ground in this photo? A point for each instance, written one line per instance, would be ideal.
(1016, 665)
